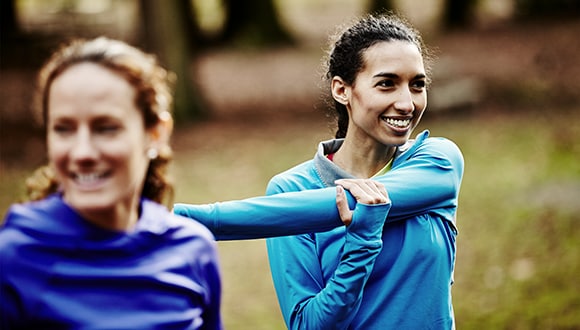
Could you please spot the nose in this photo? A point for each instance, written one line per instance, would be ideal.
(83, 148)
(404, 103)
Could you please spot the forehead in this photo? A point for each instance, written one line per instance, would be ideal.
(87, 76)
(393, 55)
(88, 87)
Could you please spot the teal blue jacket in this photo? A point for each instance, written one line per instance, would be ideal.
(335, 277)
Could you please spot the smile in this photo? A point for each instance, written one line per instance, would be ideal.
(88, 178)
(398, 123)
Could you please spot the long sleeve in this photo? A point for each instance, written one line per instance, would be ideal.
(307, 302)
(290, 213)
(424, 179)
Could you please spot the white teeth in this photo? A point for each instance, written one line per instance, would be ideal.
(398, 122)
(87, 178)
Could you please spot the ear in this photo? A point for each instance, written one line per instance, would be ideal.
(160, 134)
(340, 90)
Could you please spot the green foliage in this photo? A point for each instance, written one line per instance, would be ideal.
(518, 248)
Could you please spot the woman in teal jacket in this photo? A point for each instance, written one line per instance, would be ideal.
(337, 277)
(423, 186)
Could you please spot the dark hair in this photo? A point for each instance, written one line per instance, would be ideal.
(153, 97)
(345, 57)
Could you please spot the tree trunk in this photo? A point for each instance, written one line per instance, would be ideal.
(166, 33)
(541, 9)
(458, 13)
(253, 23)
(8, 24)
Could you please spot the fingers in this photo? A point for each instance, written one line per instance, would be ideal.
(365, 190)
(342, 206)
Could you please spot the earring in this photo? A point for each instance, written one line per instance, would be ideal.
(152, 153)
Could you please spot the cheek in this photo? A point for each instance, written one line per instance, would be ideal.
(135, 158)
(132, 157)
(421, 102)
(129, 147)
(364, 104)
(56, 151)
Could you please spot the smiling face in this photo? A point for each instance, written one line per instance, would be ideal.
(388, 97)
(97, 142)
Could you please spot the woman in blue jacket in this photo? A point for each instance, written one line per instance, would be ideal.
(96, 249)
(357, 277)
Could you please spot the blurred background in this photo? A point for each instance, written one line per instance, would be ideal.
(250, 103)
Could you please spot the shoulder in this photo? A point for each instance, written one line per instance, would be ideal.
(47, 206)
(29, 224)
(445, 148)
(442, 153)
(439, 149)
(292, 178)
(175, 236)
(442, 143)
(191, 227)
(194, 241)
(38, 216)
(158, 219)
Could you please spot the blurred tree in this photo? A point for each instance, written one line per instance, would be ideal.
(167, 29)
(380, 6)
(8, 23)
(547, 8)
(458, 13)
(20, 48)
(253, 23)
(190, 24)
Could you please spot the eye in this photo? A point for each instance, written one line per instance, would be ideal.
(387, 83)
(63, 128)
(418, 85)
(107, 128)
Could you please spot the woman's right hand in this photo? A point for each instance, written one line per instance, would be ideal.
(365, 191)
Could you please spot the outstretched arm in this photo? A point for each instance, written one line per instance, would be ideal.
(427, 179)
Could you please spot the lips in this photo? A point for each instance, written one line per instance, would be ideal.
(398, 123)
(89, 180)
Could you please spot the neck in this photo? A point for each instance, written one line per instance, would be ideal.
(363, 160)
(121, 218)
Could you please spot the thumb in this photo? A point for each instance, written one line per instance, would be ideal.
(342, 206)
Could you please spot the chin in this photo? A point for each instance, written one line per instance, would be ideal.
(86, 204)
(399, 141)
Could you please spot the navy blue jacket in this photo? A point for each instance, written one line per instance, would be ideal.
(58, 271)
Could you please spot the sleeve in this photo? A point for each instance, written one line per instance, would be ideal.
(9, 313)
(306, 301)
(211, 315)
(11, 304)
(426, 180)
(429, 179)
(290, 213)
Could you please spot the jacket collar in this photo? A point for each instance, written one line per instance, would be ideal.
(329, 172)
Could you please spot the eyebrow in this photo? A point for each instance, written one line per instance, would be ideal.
(395, 76)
